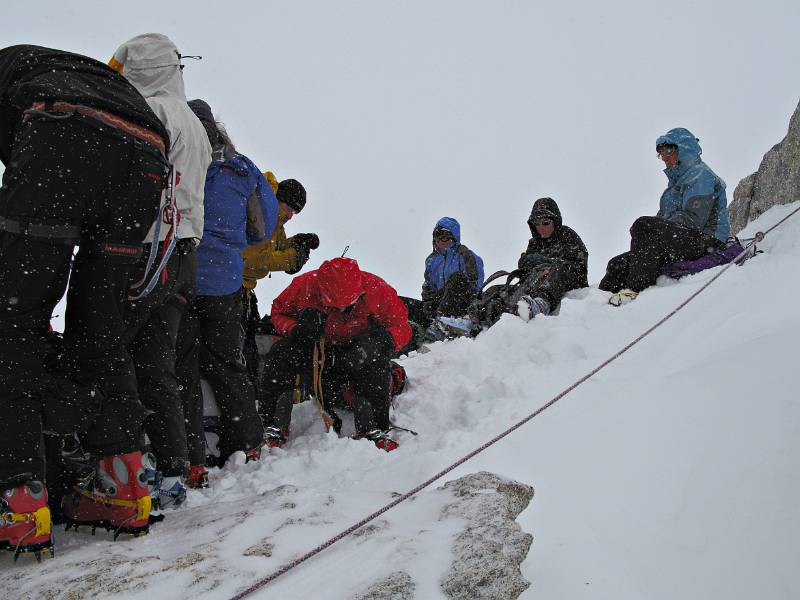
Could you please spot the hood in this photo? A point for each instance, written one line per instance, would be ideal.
(340, 282)
(151, 62)
(689, 149)
(451, 225)
(544, 207)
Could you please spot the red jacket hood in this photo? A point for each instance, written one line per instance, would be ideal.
(340, 282)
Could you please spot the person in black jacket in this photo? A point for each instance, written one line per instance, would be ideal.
(554, 262)
(85, 165)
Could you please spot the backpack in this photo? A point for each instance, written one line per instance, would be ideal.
(498, 299)
(715, 258)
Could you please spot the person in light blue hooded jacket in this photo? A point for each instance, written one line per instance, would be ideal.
(453, 273)
(692, 220)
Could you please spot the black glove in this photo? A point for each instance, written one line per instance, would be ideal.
(377, 345)
(310, 326)
(530, 261)
(301, 244)
(309, 240)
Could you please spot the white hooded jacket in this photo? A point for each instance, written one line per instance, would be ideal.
(151, 63)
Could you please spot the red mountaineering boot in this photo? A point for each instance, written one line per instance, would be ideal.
(380, 438)
(25, 520)
(198, 477)
(118, 498)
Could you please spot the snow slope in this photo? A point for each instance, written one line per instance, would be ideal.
(671, 474)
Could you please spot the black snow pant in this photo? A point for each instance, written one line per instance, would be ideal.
(250, 322)
(152, 332)
(655, 243)
(210, 345)
(453, 300)
(70, 181)
(550, 282)
(359, 364)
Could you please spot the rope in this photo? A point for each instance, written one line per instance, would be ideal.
(319, 364)
(759, 237)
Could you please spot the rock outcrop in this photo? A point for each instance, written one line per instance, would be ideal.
(488, 553)
(777, 180)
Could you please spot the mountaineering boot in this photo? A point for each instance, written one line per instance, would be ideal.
(254, 453)
(80, 463)
(117, 497)
(435, 333)
(198, 477)
(274, 437)
(622, 297)
(381, 439)
(528, 308)
(455, 326)
(171, 493)
(25, 520)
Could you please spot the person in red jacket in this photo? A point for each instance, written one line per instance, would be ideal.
(359, 322)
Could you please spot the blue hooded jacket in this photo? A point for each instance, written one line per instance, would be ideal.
(695, 196)
(457, 257)
(240, 209)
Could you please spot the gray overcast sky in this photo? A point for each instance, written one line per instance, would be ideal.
(394, 114)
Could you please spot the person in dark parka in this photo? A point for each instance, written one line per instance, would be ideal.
(85, 164)
(555, 261)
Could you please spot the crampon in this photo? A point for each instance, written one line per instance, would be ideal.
(25, 526)
(117, 499)
(381, 439)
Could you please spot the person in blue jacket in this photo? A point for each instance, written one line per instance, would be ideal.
(240, 209)
(692, 220)
(453, 273)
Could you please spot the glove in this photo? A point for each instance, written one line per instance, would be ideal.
(377, 345)
(303, 243)
(531, 261)
(309, 240)
(310, 326)
(369, 351)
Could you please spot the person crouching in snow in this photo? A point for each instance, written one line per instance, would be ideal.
(358, 322)
(240, 209)
(453, 277)
(692, 220)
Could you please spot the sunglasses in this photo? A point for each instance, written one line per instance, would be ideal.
(545, 222)
(443, 236)
(665, 149)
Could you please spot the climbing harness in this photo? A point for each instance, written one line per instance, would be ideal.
(167, 213)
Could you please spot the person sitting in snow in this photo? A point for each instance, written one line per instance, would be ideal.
(345, 325)
(453, 279)
(554, 262)
(692, 219)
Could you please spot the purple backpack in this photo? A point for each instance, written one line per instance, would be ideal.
(715, 258)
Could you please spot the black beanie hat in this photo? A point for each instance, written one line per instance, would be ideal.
(201, 109)
(292, 193)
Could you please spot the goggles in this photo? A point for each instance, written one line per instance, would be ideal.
(443, 235)
(666, 149)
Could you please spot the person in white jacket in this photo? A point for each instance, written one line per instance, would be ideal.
(152, 63)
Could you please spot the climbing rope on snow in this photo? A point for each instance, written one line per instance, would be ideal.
(759, 237)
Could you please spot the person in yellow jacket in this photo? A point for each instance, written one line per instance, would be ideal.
(278, 253)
